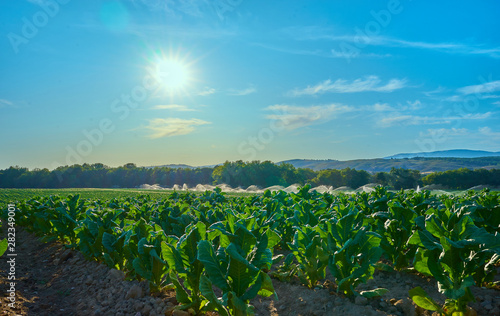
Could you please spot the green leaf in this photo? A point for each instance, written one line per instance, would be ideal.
(141, 245)
(141, 269)
(273, 238)
(434, 227)
(267, 288)
(108, 260)
(240, 276)
(462, 291)
(422, 299)
(180, 293)
(374, 293)
(3, 246)
(172, 257)
(429, 241)
(206, 255)
(238, 306)
(420, 261)
(108, 241)
(232, 251)
(253, 290)
(436, 270)
(207, 291)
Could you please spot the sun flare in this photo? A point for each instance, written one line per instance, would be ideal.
(173, 74)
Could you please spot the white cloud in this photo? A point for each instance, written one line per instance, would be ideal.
(355, 54)
(385, 107)
(490, 96)
(315, 33)
(480, 92)
(173, 127)
(380, 107)
(400, 120)
(207, 91)
(406, 120)
(455, 98)
(415, 105)
(369, 83)
(246, 91)
(293, 117)
(486, 131)
(173, 107)
(487, 87)
(332, 53)
(438, 90)
(5, 103)
(440, 132)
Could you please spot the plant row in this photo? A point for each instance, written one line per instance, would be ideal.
(218, 251)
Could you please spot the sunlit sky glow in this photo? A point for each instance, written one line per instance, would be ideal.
(158, 82)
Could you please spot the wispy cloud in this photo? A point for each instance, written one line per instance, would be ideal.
(381, 107)
(173, 107)
(355, 54)
(438, 90)
(487, 87)
(406, 120)
(450, 47)
(39, 2)
(5, 103)
(442, 132)
(206, 91)
(482, 135)
(293, 117)
(488, 132)
(315, 33)
(369, 83)
(385, 107)
(489, 136)
(332, 53)
(246, 91)
(173, 127)
(480, 92)
(196, 8)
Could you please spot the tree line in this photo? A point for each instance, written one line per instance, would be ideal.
(236, 174)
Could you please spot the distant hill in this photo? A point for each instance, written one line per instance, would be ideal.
(182, 166)
(382, 164)
(174, 166)
(423, 161)
(455, 153)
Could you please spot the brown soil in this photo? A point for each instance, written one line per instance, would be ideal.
(51, 280)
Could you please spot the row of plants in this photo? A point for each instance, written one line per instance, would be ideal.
(218, 252)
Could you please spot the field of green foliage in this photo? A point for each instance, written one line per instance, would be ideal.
(218, 251)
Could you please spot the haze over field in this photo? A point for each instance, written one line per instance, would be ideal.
(200, 82)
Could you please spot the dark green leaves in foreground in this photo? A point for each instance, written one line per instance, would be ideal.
(218, 251)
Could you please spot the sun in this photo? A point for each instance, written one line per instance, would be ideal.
(172, 74)
(174, 70)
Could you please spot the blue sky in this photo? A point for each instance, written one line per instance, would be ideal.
(201, 82)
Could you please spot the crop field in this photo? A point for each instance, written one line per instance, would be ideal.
(18, 195)
(219, 252)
